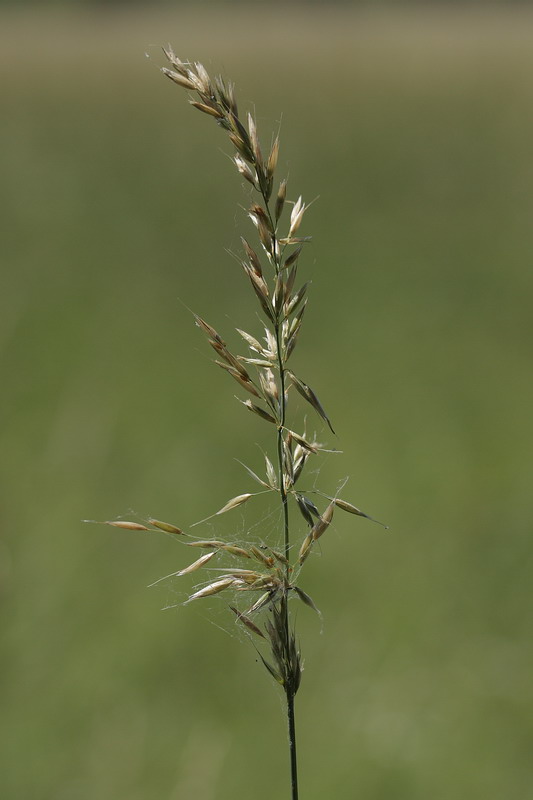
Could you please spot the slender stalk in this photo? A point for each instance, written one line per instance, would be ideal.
(292, 745)
(289, 690)
(282, 410)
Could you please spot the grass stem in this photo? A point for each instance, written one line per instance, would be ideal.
(292, 745)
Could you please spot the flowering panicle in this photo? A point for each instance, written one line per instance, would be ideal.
(267, 577)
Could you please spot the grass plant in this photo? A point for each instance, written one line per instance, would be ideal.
(117, 200)
(264, 579)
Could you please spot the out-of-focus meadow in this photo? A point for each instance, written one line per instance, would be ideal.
(117, 203)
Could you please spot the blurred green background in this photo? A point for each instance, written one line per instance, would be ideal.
(118, 202)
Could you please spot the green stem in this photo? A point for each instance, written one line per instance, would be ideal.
(292, 745)
(285, 505)
(282, 412)
(289, 689)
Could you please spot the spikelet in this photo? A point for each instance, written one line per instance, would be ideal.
(129, 526)
(212, 588)
(165, 526)
(234, 503)
(248, 622)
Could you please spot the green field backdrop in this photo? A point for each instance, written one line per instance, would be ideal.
(118, 204)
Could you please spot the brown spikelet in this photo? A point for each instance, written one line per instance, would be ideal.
(246, 170)
(205, 80)
(294, 331)
(304, 597)
(258, 410)
(293, 258)
(178, 78)
(279, 292)
(269, 387)
(129, 526)
(209, 330)
(212, 588)
(254, 475)
(232, 100)
(271, 472)
(263, 225)
(207, 109)
(241, 146)
(297, 213)
(247, 622)
(323, 522)
(251, 341)
(288, 464)
(299, 464)
(178, 65)
(296, 299)
(245, 382)
(264, 600)
(256, 149)
(259, 213)
(261, 557)
(312, 448)
(258, 282)
(208, 543)
(165, 526)
(261, 292)
(280, 557)
(236, 551)
(275, 674)
(253, 258)
(310, 396)
(307, 508)
(273, 158)
(280, 199)
(351, 509)
(305, 549)
(289, 284)
(229, 358)
(234, 502)
(304, 510)
(196, 564)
